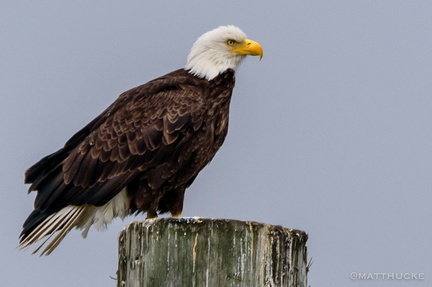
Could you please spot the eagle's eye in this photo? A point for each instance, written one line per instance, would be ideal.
(230, 42)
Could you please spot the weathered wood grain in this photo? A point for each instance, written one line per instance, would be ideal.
(195, 252)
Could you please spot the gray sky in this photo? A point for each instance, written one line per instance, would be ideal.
(330, 133)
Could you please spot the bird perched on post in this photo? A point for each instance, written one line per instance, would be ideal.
(143, 151)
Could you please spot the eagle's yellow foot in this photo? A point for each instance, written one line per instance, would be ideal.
(176, 215)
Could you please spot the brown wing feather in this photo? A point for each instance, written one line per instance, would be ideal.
(109, 151)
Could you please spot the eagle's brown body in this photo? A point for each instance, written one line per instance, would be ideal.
(153, 141)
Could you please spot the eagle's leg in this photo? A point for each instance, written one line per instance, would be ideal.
(152, 209)
(151, 214)
(172, 201)
(176, 203)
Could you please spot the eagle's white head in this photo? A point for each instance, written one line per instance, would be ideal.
(220, 49)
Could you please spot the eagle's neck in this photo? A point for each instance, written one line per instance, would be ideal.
(210, 63)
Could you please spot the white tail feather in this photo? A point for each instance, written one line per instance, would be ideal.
(83, 217)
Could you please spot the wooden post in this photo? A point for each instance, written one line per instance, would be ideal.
(195, 252)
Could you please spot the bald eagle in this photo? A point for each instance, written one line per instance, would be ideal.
(144, 150)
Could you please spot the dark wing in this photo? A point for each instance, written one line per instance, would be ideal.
(137, 132)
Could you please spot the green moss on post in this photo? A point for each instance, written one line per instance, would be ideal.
(195, 252)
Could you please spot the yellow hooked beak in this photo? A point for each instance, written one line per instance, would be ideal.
(248, 47)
